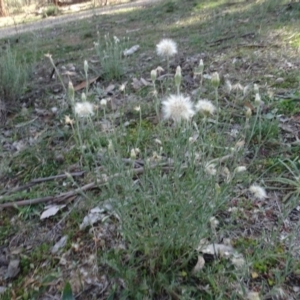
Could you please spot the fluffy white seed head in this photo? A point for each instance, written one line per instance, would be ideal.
(240, 169)
(253, 296)
(258, 191)
(205, 107)
(166, 48)
(103, 102)
(116, 40)
(54, 109)
(238, 262)
(214, 223)
(84, 109)
(210, 169)
(177, 107)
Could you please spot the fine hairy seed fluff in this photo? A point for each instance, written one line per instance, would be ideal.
(166, 48)
(177, 107)
(84, 109)
(258, 191)
(205, 107)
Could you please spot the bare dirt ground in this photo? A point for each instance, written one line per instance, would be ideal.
(58, 20)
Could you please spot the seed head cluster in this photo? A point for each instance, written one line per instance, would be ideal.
(84, 109)
(177, 108)
(166, 48)
(205, 107)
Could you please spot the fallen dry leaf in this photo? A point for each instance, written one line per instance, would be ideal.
(82, 85)
(13, 268)
(95, 215)
(60, 244)
(136, 84)
(130, 51)
(51, 211)
(199, 265)
(110, 88)
(139, 83)
(145, 82)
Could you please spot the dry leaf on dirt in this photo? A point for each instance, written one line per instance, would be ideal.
(13, 268)
(199, 265)
(136, 84)
(139, 83)
(130, 51)
(82, 85)
(224, 251)
(51, 210)
(98, 214)
(60, 244)
(68, 73)
(218, 249)
(145, 82)
(253, 296)
(18, 145)
(42, 112)
(110, 88)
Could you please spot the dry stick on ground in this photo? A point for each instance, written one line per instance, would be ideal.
(39, 180)
(33, 182)
(219, 41)
(89, 186)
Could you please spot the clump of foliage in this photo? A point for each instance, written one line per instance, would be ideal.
(14, 73)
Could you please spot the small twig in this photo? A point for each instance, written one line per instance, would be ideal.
(221, 159)
(75, 174)
(164, 76)
(39, 180)
(219, 41)
(89, 186)
(253, 45)
(135, 162)
(54, 69)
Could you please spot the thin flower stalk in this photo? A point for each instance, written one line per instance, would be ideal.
(215, 80)
(56, 71)
(86, 67)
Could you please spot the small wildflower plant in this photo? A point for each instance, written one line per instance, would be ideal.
(13, 76)
(188, 170)
(169, 182)
(110, 52)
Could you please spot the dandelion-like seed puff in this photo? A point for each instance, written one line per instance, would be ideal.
(205, 107)
(258, 191)
(166, 48)
(178, 107)
(84, 109)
